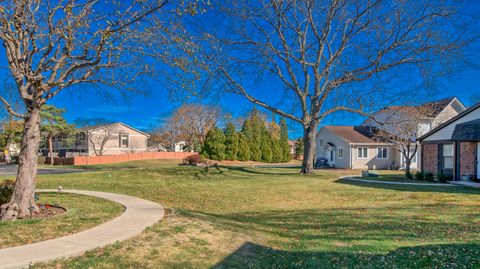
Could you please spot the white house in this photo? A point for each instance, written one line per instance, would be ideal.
(357, 147)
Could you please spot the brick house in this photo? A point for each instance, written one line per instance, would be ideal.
(453, 148)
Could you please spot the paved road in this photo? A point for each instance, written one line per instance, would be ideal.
(11, 169)
(138, 215)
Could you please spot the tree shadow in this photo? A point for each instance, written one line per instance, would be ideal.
(411, 188)
(251, 255)
(263, 170)
(353, 224)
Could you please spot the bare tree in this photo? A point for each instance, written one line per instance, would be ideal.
(190, 123)
(51, 45)
(134, 145)
(401, 127)
(99, 138)
(329, 56)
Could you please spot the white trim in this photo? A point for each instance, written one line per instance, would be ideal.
(338, 153)
(382, 158)
(358, 150)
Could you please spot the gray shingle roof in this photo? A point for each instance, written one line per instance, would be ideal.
(467, 131)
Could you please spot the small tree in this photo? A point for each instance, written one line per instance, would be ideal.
(251, 135)
(53, 124)
(401, 129)
(231, 142)
(243, 148)
(99, 138)
(11, 134)
(298, 148)
(214, 146)
(285, 147)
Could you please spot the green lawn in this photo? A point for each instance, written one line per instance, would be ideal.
(237, 217)
(83, 212)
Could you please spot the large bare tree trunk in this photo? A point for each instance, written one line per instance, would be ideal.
(50, 149)
(23, 196)
(309, 134)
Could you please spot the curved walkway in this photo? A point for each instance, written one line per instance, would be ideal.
(138, 215)
(398, 183)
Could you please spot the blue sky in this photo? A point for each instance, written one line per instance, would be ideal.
(145, 112)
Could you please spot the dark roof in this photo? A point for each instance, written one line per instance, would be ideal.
(467, 131)
(448, 122)
(357, 134)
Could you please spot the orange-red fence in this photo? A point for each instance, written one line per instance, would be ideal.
(138, 156)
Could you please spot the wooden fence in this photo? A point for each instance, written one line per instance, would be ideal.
(138, 156)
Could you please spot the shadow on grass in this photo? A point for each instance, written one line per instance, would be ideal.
(353, 225)
(411, 188)
(261, 170)
(251, 255)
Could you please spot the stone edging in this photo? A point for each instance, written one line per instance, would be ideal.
(138, 215)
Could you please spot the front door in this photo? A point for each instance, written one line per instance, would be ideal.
(332, 157)
(478, 160)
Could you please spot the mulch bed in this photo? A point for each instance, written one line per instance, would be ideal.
(48, 211)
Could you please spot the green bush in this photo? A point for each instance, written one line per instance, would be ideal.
(6, 190)
(442, 178)
(409, 175)
(420, 176)
(429, 176)
(41, 160)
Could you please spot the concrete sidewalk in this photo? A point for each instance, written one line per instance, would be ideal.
(138, 215)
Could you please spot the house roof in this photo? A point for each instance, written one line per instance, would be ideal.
(429, 109)
(357, 134)
(467, 131)
(99, 126)
(448, 122)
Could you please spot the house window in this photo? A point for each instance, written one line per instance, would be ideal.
(124, 140)
(382, 153)
(81, 136)
(340, 153)
(447, 156)
(362, 153)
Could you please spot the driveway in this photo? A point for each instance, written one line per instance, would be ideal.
(11, 170)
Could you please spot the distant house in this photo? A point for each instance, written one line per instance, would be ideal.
(106, 139)
(358, 147)
(453, 148)
(354, 147)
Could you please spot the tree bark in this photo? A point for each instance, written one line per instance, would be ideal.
(407, 166)
(50, 149)
(309, 142)
(23, 196)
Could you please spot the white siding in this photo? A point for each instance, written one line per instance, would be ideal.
(446, 132)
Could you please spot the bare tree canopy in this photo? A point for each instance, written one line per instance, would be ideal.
(51, 45)
(331, 56)
(189, 123)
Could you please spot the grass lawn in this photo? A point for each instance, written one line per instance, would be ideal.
(239, 217)
(83, 212)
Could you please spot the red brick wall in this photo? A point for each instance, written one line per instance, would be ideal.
(430, 158)
(467, 158)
